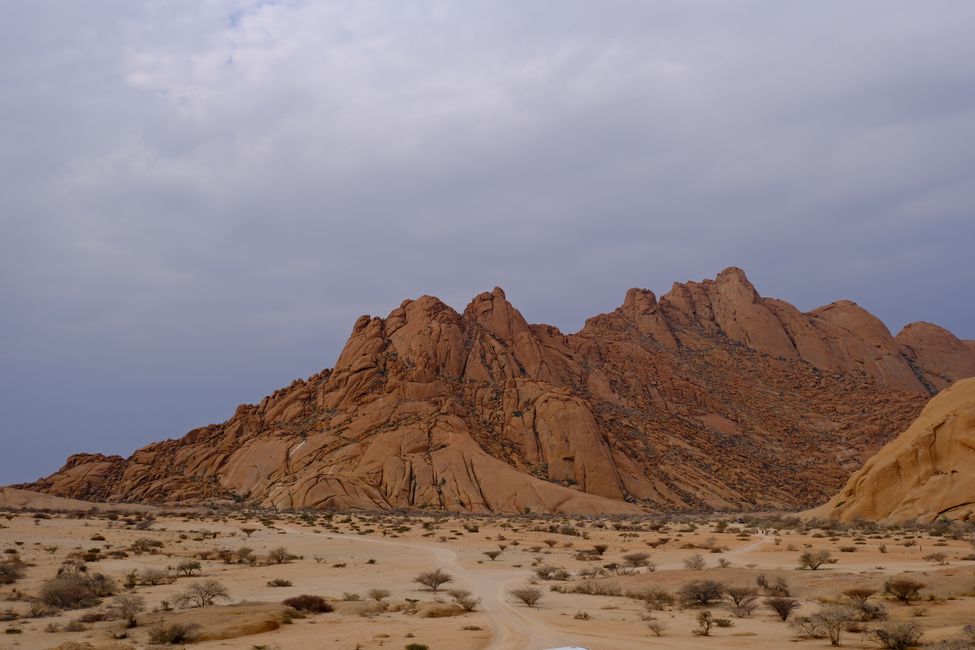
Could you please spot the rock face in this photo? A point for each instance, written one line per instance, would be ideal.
(712, 397)
(925, 473)
(939, 357)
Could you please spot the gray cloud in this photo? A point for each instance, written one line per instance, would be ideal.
(199, 198)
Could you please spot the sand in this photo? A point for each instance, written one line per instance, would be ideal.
(352, 554)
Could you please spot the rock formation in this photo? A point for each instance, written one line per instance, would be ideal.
(925, 473)
(712, 397)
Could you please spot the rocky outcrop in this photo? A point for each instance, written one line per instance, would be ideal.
(938, 356)
(926, 473)
(710, 397)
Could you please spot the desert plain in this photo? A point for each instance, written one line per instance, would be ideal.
(601, 582)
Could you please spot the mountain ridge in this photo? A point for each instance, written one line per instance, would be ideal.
(710, 397)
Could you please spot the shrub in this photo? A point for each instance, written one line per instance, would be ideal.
(187, 567)
(74, 590)
(813, 560)
(279, 555)
(127, 607)
(653, 599)
(173, 634)
(528, 595)
(806, 627)
(492, 554)
(694, 562)
(378, 594)
(783, 606)
(154, 577)
(704, 622)
(656, 626)
(202, 594)
(833, 619)
(434, 579)
(278, 582)
(548, 572)
(11, 571)
(743, 600)
(898, 636)
(306, 603)
(417, 646)
(701, 592)
(639, 559)
(903, 589)
(464, 599)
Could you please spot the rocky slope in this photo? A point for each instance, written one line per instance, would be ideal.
(711, 397)
(925, 473)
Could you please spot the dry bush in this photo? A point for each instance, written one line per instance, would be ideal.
(813, 560)
(433, 580)
(782, 605)
(833, 619)
(528, 595)
(744, 600)
(701, 592)
(694, 562)
(904, 589)
(492, 554)
(188, 567)
(548, 572)
(898, 636)
(278, 582)
(653, 599)
(464, 599)
(202, 594)
(379, 594)
(11, 571)
(279, 555)
(173, 634)
(806, 627)
(127, 608)
(74, 590)
(307, 603)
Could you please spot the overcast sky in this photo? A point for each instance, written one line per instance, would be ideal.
(197, 199)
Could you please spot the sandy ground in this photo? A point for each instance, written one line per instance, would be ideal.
(352, 554)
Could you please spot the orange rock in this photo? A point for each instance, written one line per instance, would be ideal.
(927, 472)
(711, 397)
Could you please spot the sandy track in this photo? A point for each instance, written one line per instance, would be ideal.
(511, 628)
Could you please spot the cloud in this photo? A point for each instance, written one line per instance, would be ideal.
(199, 198)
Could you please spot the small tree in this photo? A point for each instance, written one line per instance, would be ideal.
(599, 549)
(899, 636)
(782, 606)
(833, 619)
(743, 600)
(528, 595)
(492, 554)
(378, 594)
(655, 625)
(128, 607)
(278, 555)
(859, 595)
(638, 559)
(188, 567)
(434, 579)
(813, 560)
(202, 594)
(173, 634)
(704, 622)
(694, 562)
(701, 592)
(904, 589)
(11, 571)
(463, 598)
